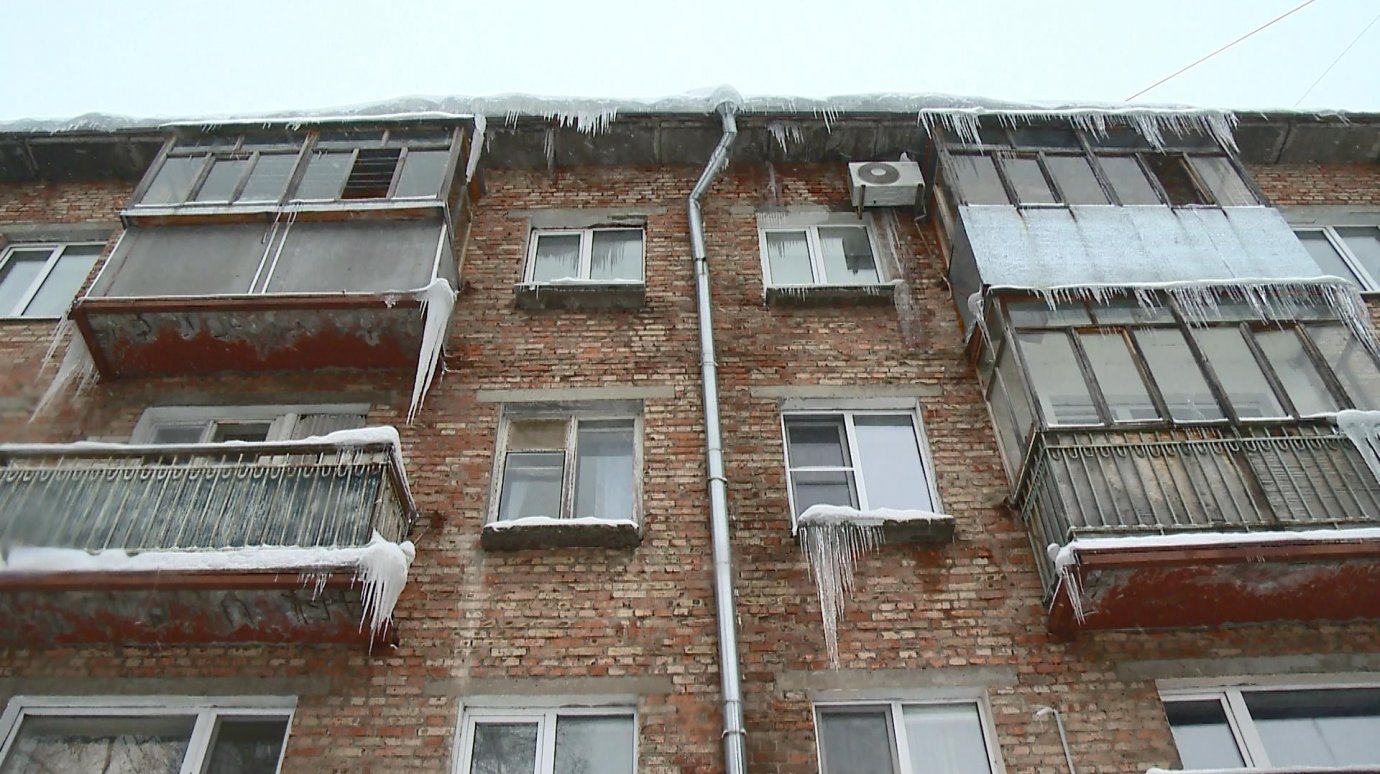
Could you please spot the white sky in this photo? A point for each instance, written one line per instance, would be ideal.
(188, 58)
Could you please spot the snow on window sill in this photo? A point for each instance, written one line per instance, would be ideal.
(581, 294)
(550, 532)
(897, 526)
(882, 293)
(1362, 769)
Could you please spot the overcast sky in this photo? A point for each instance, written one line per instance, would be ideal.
(188, 58)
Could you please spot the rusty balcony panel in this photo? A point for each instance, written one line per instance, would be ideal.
(1210, 480)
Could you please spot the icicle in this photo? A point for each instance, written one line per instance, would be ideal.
(786, 134)
(832, 545)
(437, 301)
(892, 249)
(382, 568)
(76, 367)
(476, 146)
(549, 147)
(1150, 123)
(1363, 428)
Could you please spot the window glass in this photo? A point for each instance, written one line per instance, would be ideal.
(812, 444)
(531, 485)
(1317, 728)
(174, 180)
(945, 739)
(243, 432)
(852, 742)
(1117, 376)
(371, 175)
(594, 744)
(557, 258)
(1076, 179)
(1127, 311)
(1329, 261)
(421, 174)
(1220, 177)
(111, 745)
(1176, 373)
(1364, 244)
(1010, 392)
(847, 255)
(1128, 180)
(1039, 314)
(18, 275)
(1027, 180)
(1057, 379)
(269, 178)
(616, 255)
(1202, 735)
(63, 282)
(977, 179)
(1238, 373)
(889, 455)
(178, 434)
(788, 258)
(1045, 137)
(604, 469)
(246, 746)
(1174, 179)
(504, 748)
(325, 176)
(220, 183)
(1296, 371)
(1354, 366)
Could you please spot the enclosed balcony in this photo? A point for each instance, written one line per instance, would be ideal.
(265, 542)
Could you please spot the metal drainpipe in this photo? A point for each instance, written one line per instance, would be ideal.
(735, 735)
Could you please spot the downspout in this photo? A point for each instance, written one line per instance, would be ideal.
(735, 735)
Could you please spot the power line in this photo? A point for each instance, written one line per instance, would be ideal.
(1338, 59)
(1185, 69)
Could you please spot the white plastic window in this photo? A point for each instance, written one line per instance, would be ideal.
(40, 280)
(1276, 729)
(172, 425)
(566, 467)
(820, 255)
(592, 255)
(1349, 252)
(905, 738)
(137, 736)
(549, 741)
(865, 460)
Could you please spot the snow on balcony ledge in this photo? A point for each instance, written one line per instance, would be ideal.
(896, 525)
(1362, 769)
(880, 293)
(551, 532)
(577, 294)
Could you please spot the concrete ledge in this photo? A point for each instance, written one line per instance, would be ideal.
(1191, 668)
(165, 686)
(877, 683)
(846, 392)
(883, 294)
(919, 531)
(98, 231)
(573, 394)
(497, 691)
(556, 218)
(580, 297)
(614, 534)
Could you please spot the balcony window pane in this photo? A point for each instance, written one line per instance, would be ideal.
(1174, 179)
(1128, 180)
(1318, 728)
(1038, 314)
(946, 739)
(788, 258)
(174, 180)
(1238, 373)
(1364, 244)
(616, 255)
(847, 256)
(1057, 379)
(1127, 311)
(269, 177)
(1202, 735)
(18, 275)
(604, 470)
(1011, 409)
(1176, 373)
(421, 174)
(1296, 371)
(1076, 179)
(889, 456)
(537, 435)
(557, 258)
(531, 485)
(855, 742)
(1329, 261)
(1044, 137)
(221, 181)
(1121, 383)
(243, 432)
(325, 176)
(170, 435)
(63, 282)
(246, 747)
(594, 745)
(1027, 180)
(110, 745)
(1354, 366)
(977, 179)
(1220, 177)
(504, 748)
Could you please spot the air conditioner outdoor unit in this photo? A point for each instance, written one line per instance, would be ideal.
(885, 183)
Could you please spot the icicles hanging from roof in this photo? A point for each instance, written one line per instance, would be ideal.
(437, 301)
(76, 367)
(786, 134)
(832, 545)
(477, 144)
(1150, 123)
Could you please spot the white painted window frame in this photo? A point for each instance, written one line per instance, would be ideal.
(56, 251)
(900, 761)
(282, 418)
(545, 718)
(1369, 283)
(206, 710)
(572, 426)
(811, 227)
(849, 413)
(1231, 694)
(586, 253)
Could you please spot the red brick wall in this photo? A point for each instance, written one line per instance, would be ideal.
(1318, 183)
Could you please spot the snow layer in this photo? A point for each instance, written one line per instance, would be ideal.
(528, 522)
(438, 300)
(381, 566)
(340, 439)
(839, 514)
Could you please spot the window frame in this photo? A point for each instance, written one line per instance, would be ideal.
(1368, 283)
(56, 251)
(206, 710)
(1232, 697)
(282, 418)
(570, 463)
(896, 731)
(834, 410)
(816, 253)
(586, 235)
(545, 718)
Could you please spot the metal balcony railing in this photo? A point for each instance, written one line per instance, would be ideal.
(206, 496)
(1119, 483)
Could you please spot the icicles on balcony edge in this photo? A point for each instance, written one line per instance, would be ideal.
(382, 569)
(832, 540)
(786, 134)
(76, 366)
(437, 302)
(1363, 428)
(1065, 561)
(1150, 123)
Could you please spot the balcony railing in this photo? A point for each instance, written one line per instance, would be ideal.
(1115, 483)
(95, 497)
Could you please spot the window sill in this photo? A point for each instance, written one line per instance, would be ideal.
(547, 532)
(882, 293)
(580, 295)
(1362, 769)
(897, 526)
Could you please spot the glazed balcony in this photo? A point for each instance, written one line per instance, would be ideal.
(197, 543)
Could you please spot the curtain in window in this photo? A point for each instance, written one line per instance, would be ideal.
(604, 470)
(788, 258)
(557, 258)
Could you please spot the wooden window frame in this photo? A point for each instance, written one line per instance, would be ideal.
(56, 252)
